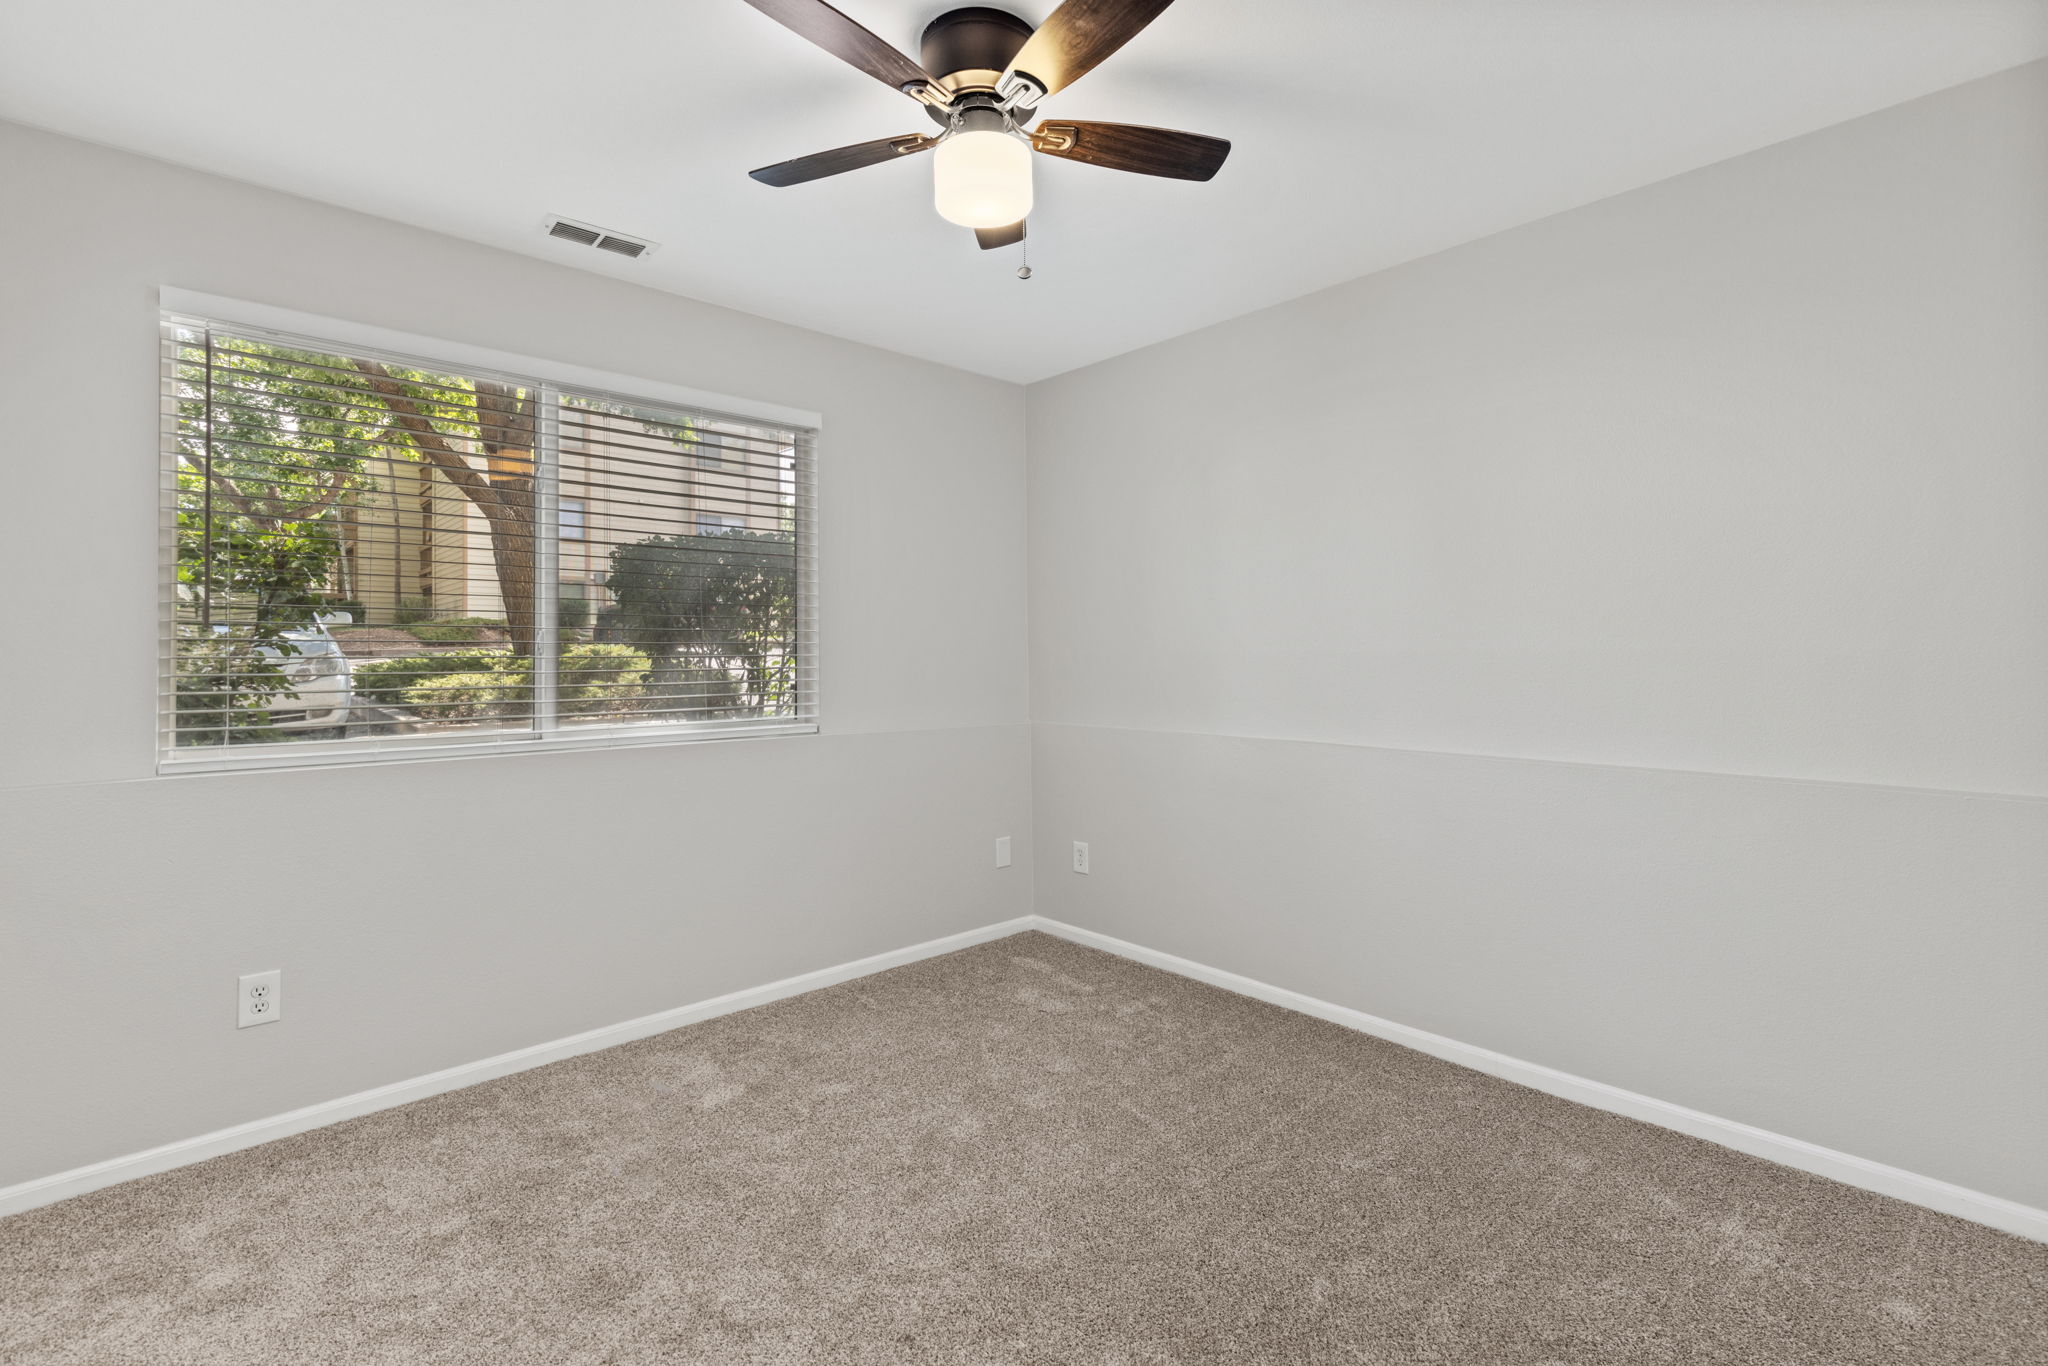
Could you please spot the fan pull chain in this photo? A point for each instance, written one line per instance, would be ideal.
(1024, 270)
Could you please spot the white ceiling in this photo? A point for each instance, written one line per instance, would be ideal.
(1367, 132)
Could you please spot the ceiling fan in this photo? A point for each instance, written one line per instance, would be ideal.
(992, 70)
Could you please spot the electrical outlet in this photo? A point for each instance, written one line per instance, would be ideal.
(259, 998)
(1002, 851)
(1080, 857)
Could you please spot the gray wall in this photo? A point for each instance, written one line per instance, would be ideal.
(1714, 514)
(429, 914)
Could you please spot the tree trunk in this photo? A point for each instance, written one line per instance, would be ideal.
(505, 429)
(512, 555)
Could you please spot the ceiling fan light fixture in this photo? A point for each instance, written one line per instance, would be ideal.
(981, 178)
(981, 74)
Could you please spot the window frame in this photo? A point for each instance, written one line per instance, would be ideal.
(291, 326)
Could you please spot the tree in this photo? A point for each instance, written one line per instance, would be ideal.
(501, 424)
(716, 616)
(267, 445)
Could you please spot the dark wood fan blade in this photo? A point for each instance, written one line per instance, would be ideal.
(1079, 35)
(846, 40)
(818, 165)
(1131, 147)
(991, 238)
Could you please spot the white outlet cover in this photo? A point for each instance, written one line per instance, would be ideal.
(259, 998)
(1002, 851)
(1080, 857)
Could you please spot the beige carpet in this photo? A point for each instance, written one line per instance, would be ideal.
(1027, 1152)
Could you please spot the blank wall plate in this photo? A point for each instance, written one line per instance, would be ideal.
(1002, 851)
(259, 998)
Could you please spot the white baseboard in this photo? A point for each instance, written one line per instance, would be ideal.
(1911, 1187)
(78, 1181)
(1999, 1213)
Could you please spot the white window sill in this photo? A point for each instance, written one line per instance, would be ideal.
(412, 749)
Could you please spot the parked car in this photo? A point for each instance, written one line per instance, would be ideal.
(323, 681)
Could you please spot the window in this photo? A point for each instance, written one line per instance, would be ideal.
(374, 554)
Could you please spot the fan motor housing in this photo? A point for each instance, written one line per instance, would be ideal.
(969, 49)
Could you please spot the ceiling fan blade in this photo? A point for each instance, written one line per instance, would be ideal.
(991, 238)
(818, 165)
(1132, 147)
(848, 41)
(1078, 35)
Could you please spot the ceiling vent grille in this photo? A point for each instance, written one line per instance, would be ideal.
(604, 239)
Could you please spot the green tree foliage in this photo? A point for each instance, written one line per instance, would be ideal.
(716, 615)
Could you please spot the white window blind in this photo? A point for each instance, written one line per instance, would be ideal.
(372, 554)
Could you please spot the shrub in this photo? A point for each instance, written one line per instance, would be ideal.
(387, 681)
(458, 629)
(597, 663)
(458, 697)
(593, 679)
(357, 613)
(222, 684)
(410, 610)
(572, 614)
(462, 685)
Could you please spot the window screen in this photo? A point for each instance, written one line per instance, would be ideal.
(371, 553)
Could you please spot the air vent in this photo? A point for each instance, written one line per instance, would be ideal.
(604, 239)
(571, 233)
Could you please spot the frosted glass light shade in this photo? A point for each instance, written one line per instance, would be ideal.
(982, 179)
